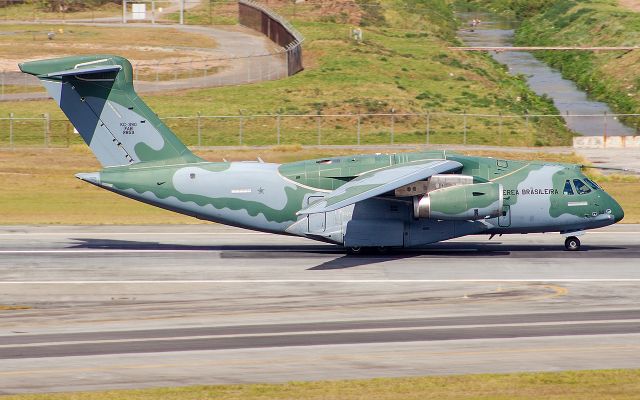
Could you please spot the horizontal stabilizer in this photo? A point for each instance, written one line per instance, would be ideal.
(85, 71)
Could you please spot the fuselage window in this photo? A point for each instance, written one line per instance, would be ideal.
(581, 188)
(592, 184)
(568, 190)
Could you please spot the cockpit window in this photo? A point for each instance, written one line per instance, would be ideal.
(581, 188)
(568, 190)
(591, 183)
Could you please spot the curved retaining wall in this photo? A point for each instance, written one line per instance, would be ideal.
(262, 19)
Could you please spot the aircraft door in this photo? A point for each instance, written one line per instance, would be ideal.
(504, 219)
(316, 222)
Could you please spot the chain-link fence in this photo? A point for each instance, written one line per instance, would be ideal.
(171, 74)
(337, 129)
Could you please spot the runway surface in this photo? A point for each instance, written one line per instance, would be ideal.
(86, 308)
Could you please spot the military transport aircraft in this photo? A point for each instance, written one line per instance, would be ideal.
(361, 202)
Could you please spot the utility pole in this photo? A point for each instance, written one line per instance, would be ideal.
(181, 12)
(124, 11)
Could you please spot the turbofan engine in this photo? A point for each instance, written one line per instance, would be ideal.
(461, 202)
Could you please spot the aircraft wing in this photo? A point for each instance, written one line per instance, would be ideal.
(379, 181)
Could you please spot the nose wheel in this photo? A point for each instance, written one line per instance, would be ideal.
(572, 243)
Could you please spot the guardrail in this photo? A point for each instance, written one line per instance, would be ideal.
(321, 129)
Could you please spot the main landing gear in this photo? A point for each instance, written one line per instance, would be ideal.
(367, 250)
(572, 243)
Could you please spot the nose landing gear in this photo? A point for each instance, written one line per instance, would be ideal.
(572, 243)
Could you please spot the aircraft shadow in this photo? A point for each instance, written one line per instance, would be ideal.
(445, 250)
(242, 251)
(460, 250)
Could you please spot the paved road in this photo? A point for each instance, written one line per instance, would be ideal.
(114, 307)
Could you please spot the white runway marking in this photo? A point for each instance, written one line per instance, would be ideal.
(262, 281)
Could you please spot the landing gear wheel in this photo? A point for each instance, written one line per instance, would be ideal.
(355, 251)
(382, 249)
(572, 243)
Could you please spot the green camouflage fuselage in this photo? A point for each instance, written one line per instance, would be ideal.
(267, 197)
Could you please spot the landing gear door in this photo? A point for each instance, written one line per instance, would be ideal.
(504, 220)
(317, 222)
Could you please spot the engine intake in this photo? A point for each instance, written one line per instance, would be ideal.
(466, 202)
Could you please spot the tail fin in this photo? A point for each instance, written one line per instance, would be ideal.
(96, 94)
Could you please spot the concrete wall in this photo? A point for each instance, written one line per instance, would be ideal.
(260, 18)
(602, 142)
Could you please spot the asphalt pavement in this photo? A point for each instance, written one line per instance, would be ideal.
(107, 307)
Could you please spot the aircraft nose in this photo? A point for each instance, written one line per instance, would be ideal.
(616, 210)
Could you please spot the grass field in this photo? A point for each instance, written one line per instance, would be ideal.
(32, 10)
(8, 89)
(583, 385)
(39, 186)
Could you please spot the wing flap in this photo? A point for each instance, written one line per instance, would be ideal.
(376, 182)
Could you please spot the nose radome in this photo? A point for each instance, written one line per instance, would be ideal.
(616, 210)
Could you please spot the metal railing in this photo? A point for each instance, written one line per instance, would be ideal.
(331, 129)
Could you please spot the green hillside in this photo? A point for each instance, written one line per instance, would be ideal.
(403, 65)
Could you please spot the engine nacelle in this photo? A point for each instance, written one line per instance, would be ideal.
(466, 202)
(435, 182)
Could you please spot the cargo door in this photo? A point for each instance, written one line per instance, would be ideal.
(316, 222)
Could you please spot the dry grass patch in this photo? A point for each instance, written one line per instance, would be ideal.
(29, 42)
(9, 89)
(584, 385)
(33, 11)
